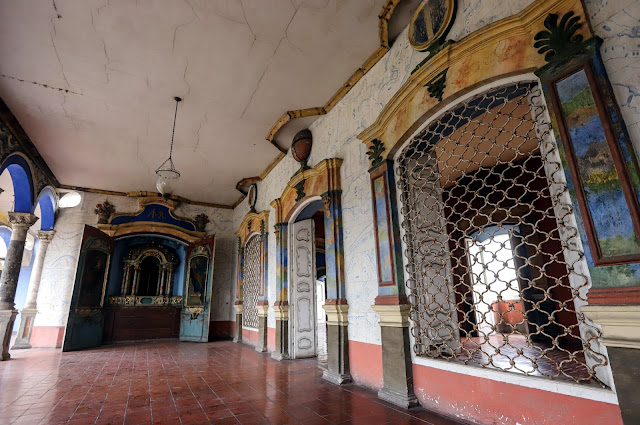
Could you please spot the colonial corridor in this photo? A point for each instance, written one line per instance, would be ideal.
(188, 383)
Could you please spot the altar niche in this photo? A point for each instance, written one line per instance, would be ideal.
(145, 289)
(149, 270)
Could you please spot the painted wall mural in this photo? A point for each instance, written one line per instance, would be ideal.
(603, 190)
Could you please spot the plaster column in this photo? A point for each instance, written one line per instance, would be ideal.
(336, 305)
(281, 313)
(281, 306)
(239, 293)
(238, 334)
(28, 313)
(20, 223)
(621, 335)
(263, 302)
(263, 309)
(391, 303)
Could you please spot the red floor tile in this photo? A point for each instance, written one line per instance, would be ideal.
(183, 383)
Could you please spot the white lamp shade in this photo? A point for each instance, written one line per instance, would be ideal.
(167, 181)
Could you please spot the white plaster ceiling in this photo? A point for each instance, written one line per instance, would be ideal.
(238, 64)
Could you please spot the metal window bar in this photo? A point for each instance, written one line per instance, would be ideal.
(251, 282)
(493, 266)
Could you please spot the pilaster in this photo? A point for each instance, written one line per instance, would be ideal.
(281, 311)
(263, 309)
(238, 333)
(391, 304)
(621, 335)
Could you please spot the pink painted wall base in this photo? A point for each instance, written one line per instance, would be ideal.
(365, 363)
(482, 400)
(47, 336)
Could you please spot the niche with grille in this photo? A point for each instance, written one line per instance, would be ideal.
(492, 278)
(251, 282)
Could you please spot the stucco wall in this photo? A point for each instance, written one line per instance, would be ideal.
(62, 256)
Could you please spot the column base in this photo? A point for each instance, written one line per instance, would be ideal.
(281, 351)
(7, 318)
(23, 341)
(279, 356)
(337, 378)
(261, 347)
(399, 399)
(238, 334)
(337, 344)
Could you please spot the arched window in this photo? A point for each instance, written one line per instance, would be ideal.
(252, 280)
(488, 275)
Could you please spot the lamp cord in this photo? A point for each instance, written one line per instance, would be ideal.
(173, 132)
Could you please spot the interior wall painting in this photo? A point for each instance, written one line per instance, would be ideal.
(603, 180)
(93, 279)
(382, 232)
(197, 288)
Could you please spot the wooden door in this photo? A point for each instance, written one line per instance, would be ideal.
(302, 309)
(86, 317)
(196, 300)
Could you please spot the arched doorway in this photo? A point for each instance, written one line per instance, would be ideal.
(307, 294)
(316, 186)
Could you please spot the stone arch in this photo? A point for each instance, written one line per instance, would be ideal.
(48, 201)
(22, 178)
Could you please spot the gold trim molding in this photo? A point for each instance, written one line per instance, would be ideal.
(251, 224)
(324, 177)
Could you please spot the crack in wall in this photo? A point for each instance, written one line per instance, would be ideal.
(53, 43)
(184, 76)
(73, 123)
(272, 55)
(41, 84)
(202, 122)
(175, 31)
(56, 9)
(246, 21)
(106, 68)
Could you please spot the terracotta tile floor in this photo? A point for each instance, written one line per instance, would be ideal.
(183, 383)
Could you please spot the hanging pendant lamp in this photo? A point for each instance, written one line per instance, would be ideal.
(167, 174)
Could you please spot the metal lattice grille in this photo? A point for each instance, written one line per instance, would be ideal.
(251, 282)
(490, 280)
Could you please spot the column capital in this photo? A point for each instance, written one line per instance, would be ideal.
(337, 314)
(46, 235)
(395, 316)
(620, 324)
(19, 219)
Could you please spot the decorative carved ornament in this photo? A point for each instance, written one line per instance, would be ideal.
(252, 223)
(322, 178)
(155, 215)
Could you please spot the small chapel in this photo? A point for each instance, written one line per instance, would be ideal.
(320, 212)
